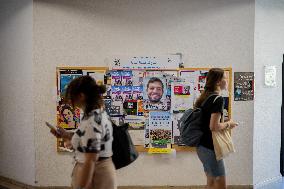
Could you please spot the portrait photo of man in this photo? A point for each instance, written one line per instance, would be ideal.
(155, 90)
(154, 93)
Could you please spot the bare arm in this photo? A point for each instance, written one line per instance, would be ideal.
(62, 133)
(216, 125)
(65, 135)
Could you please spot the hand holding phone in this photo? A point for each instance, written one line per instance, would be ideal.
(50, 126)
(53, 129)
(233, 124)
(59, 132)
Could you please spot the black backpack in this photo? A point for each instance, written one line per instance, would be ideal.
(124, 152)
(190, 125)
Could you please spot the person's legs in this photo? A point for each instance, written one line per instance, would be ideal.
(210, 182)
(203, 155)
(75, 174)
(215, 170)
(220, 182)
(105, 175)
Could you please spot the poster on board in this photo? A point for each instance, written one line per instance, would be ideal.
(182, 96)
(65, 77)
(154, 94)
(176, 125)
(68, 117)
(160, 129)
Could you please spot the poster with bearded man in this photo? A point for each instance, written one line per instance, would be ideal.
(154, 93)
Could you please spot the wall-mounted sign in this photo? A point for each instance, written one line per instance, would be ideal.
(270, 76)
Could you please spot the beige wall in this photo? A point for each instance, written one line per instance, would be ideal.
(217, 33)
(17, 151)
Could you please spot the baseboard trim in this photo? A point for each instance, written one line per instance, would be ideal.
(183, 187)
(7, 183)
(11, 183)
(269, 181)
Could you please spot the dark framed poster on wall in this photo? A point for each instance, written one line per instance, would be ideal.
(243, 86)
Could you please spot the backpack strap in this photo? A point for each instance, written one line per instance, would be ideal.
(216, 98)
(204, 102)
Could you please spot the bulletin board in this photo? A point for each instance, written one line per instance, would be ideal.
(127, 100)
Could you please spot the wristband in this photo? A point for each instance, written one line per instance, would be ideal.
(228, 125)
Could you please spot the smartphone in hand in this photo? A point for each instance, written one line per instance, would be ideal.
(53, 128)
(50, 126)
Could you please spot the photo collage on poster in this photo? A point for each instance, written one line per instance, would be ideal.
(150, 101)
(165, 95)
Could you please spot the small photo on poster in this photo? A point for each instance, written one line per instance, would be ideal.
(135, 122)
(107, 78)
(160, 126)
(108, 93)
(117, 93)
(127, 78)
(127, 93)
(137, 92)
(130, 107)
(154, 94)
(182, 96)
(116, 78)
(176, 126)
(68, 117)
(160, 136)
(140, 109)
(201, 83)
(226, 108)
(108, 104)
(65, 79)
(137, 78)
(116, 108)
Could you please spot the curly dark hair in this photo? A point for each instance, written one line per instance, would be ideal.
(88, 86)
